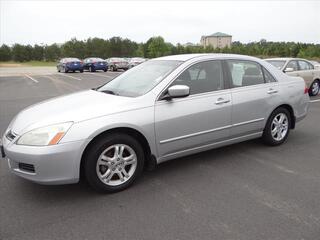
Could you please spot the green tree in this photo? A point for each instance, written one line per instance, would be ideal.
(38, 53)
(52, 52)
(5, 53)
(20, 53)
(156, 47)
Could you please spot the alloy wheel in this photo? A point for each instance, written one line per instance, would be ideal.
(279, 126)
(116, 164)
(315, 88)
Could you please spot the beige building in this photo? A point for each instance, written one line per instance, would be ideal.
(216, 40)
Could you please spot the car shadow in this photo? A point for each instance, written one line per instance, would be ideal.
(82, 190)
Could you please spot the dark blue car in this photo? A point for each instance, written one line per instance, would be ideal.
(94, 64)
(69, 65)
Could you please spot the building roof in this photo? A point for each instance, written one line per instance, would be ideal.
(218, 34)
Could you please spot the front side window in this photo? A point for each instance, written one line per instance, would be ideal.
(293, 65)
(140, 79)
(202, 77)
(245, 73)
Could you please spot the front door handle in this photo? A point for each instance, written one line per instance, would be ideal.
(272, 91)
(221, 101)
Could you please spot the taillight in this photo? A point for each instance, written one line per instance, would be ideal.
(306, 90)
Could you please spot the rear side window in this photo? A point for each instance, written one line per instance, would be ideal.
(202, 77)
(303, 65)
(267, 76)
(245, 73)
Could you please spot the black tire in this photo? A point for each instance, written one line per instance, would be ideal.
(267, 135)
(92, 155)
(91, 69)
(105, 70)
(59, 69)
(73, 71)
(65, 70)
(81, 71)
(314, 91)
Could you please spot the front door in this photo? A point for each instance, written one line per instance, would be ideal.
(202, 118)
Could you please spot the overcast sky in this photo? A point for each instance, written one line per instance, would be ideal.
(31, 22)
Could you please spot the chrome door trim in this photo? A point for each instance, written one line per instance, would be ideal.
(247, 122)
(210, 130)
(194, 134)
(208, 145)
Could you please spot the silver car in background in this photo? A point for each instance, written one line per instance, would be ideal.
(115, 64)
(162, 109)
(136, 61)
(301, 68)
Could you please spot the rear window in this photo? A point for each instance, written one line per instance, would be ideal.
(277, 63)
(72, 60)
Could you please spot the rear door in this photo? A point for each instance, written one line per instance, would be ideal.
(254, 93)
(202, 118)
(306, 71)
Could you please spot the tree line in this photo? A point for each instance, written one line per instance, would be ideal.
(154, 47)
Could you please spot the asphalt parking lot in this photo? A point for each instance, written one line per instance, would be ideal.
(244, 191)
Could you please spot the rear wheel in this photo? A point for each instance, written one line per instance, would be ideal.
(113, 163)
(314, 88)
(277, 128)
(81, 70)
(65, 70)
(105, 70)
(91, 69)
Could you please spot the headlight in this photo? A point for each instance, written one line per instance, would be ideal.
(44, 136)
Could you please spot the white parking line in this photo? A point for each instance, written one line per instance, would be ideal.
(31, 78)
(317, 100)
(79, 79)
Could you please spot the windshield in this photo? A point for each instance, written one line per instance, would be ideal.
(277, 63)
(141, 79)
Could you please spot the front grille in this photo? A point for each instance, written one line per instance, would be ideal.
(10, 135)
(26, 167)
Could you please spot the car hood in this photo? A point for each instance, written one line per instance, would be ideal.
(74, 107)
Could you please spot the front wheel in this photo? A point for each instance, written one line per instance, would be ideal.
(113, 163)
(314, 89)
(277, 128)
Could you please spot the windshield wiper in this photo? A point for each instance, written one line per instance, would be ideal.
(109, 92)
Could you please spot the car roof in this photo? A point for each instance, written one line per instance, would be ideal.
(187, 57)
(286, 59)
(280, 59)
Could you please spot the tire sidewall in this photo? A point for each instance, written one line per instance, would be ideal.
(95, 151)
(267, 136)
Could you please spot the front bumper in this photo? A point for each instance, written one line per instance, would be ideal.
(57, 164)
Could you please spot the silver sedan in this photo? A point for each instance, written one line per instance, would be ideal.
(162, 109)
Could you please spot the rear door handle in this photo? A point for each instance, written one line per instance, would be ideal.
(221, 101)
(272, 91)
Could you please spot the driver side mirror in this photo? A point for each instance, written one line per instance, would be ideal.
(288, 70)
(177, 91)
